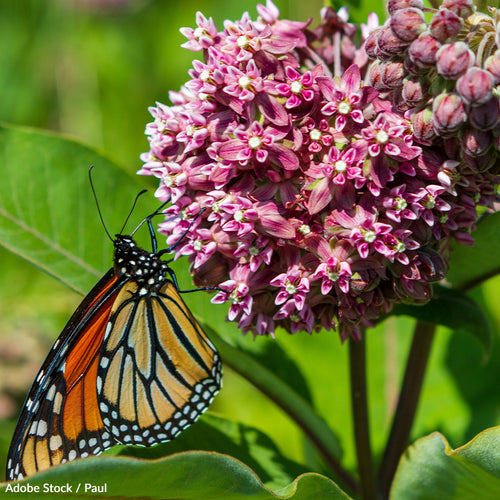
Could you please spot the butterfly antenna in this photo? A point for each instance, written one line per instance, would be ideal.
(132, 209)
(97, 203)
(149, 217)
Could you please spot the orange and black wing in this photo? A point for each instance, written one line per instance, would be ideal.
(60, 420)
(158, 371)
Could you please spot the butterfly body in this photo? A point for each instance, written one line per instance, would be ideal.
(132, 366)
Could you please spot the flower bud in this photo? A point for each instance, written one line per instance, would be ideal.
(479, 163)
(475, 142)
(462, 8)
(412, 67)
(212, 272)
(388, 44)
(454, 59)
(448, 112)
(394, 5)
(399, 102)
(408, 23)
(475, 86)
(446, 25)
(487, 115)
(423, 125)
(423, 50)
(492, 64)
(392, 73)
(413, 91)
(373, 77)
(371, 46)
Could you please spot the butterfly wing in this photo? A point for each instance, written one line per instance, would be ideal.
(60, 420)
(158, 371)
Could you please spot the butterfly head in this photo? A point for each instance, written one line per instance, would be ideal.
(139, 265)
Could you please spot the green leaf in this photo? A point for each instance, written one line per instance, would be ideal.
(193, 475)
(47, 212)
(282, 394)
(273, 356)
(455, 310)
(470, 266)
(248, 444)
(431, 470)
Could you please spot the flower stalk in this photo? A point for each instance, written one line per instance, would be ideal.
(359, 403)
(404, 415)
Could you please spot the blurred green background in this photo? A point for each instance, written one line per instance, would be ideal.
(90, 69)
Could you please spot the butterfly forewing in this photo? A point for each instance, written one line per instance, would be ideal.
(60, 420)
(171, 373)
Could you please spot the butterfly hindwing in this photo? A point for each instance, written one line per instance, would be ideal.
(168, 369)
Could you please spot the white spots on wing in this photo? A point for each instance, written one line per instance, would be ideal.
(98, 384)
(51, 393)
(55, 442)
(58, 400)
(41, 429)
(109, 326)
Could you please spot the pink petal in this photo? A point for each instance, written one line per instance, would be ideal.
(320, 196)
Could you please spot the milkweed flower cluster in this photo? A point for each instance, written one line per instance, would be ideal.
(306, 196)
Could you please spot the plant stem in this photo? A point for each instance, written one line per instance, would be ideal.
(407, 404)
(357, 366)
(296, 407)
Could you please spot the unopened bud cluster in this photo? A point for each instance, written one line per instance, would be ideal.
(442, 67)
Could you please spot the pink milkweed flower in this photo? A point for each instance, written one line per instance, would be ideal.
(203, 36)
(333, 272)
(254, 251)
(293, 283)
(299, 88)
(299, 319)
(346, 98)
(236, 291)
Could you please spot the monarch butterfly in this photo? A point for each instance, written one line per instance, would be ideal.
(132, 366)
